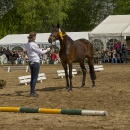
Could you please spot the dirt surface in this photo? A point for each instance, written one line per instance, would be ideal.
(112, 94)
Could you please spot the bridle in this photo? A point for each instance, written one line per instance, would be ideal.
(60, 34)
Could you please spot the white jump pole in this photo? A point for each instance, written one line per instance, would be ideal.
(55, 111)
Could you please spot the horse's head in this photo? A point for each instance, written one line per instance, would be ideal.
(55, 34)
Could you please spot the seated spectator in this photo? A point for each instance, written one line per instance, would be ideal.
(21, 58)
(97, 56)
(108, 55)
(45, 58)
(53, 57)
(15, 56)
(25, 57)
(104, 56)
(114, 57)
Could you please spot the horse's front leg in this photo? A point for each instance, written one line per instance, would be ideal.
(66, 74)
(70, 76)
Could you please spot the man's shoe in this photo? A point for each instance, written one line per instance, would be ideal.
(34, 94)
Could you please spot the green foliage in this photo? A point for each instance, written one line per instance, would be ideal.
(2, 83)
(17, 48)
(23, 16)
(80, 16)
(122, 7)
(38, 14)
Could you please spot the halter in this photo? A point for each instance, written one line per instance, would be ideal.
(61, 34)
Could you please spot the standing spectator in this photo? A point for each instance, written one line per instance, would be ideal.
(11, 57)
(7, 54)
(117, 47)
(124, 52)
(2, 51)
(33, 52)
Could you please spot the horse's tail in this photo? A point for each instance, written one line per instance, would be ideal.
(91, 70)
(92, 73)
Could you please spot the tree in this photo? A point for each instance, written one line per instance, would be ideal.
(86, 14)
(5, 6)
(122, 7)
(38, 14)
(23, 16)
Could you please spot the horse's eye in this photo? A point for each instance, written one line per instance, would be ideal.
(57, 30)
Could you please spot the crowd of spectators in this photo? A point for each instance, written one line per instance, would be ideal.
(119, 54)
(14, 57)
(20, 57)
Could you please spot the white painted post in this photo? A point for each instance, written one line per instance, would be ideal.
(42, 62)
(23, 62)
(16, 62)
(27, 68)
(9, 69)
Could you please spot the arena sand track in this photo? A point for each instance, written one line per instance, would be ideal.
(112, 93)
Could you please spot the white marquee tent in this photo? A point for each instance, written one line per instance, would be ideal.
(114, 27)
(14, 40)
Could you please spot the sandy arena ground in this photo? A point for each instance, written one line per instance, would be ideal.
(112, 94)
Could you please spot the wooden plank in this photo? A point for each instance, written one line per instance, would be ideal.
(96, 67)
(61, 73)
(10, 68)
(26, 79)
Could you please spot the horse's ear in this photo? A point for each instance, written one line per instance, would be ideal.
(58, 25)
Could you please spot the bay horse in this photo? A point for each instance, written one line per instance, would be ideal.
(73, 51)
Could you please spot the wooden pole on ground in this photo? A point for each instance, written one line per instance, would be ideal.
(54, 111)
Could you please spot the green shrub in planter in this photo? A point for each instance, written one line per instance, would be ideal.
(2, 83)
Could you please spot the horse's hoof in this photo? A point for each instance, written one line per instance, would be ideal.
(69, 89)
(82, 86)
(93, 86)
(66, 88)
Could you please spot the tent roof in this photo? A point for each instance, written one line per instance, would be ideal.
(113, 25)
(126, 32)
(14, 39)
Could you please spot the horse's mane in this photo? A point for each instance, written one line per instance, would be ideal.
(68, 37)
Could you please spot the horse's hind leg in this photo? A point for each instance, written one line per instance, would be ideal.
(84, 73)
(92, 72)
